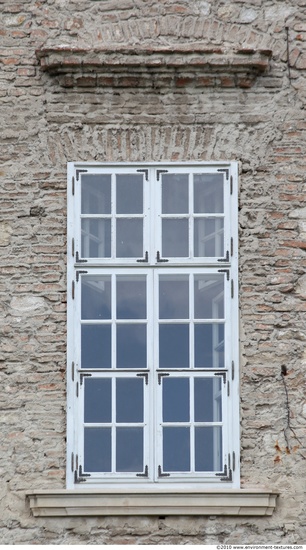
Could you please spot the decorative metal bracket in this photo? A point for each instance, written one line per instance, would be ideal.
(145, 474)
(145, 259)
(145, 375)
(226, 259)
(79, 476)
(160, 474)
(225, 271)
(78, 172)
(162, 374)
(159, 172)
(146, 173)
(159, 259)
(225, 170)
(77, 259)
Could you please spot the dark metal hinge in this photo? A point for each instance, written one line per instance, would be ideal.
(72, 289)
(232, 246)
(146, 173)
(159, 259)
(72, 462)
(232, 288)
(226, 259)
(77, 389)
(162, 374)
(234, 461)
(231, 185)
(160, 474)
(145, 259)
(145, 474)
(72, 184)
(78, 172)
(72, 247)
(233, 370)
(72, 371)
(225, 271)
(159, 172)
(228, 389)
(225, 170)
(145, 375)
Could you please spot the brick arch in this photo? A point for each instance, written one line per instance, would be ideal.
(174, 29)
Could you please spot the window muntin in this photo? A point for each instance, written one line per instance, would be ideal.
(172, 324)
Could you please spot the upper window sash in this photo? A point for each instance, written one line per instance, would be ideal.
(151, 215)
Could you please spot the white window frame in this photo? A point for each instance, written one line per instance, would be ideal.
(230, 478)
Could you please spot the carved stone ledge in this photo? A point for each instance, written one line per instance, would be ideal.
(180, 66)
(118, 502)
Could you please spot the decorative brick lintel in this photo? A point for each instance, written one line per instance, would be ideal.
(118, 502)
(141, 62)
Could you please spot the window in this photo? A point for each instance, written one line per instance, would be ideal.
(152, 324)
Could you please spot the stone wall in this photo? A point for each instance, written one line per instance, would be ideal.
(259, 122)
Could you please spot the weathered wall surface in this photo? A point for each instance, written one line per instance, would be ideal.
(44, 125)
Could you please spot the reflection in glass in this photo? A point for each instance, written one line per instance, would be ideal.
(132, 346)
(96, 346)
(176, 451)
(173, 346)
(208, 449)
(175, 400)
(175, 238)
(173, 297)
(97, 449)
(129, 199)
(209, 345)
(175, 194)
(96, 297)
(207, 400)
(209, 237)
(131, 297)
(209, 296)
(129, 456)
(95, 238)
(129, 238)
(97, 400)
(129, 400)
(95, 194)
(208, 193)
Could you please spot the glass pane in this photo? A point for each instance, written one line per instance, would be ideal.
(129, 450)
(96, 297)
(174, 297)
(131, 297)
(208, 193)
(129, 400)
(176, 451)
(207, 400)
(175, 194)
(129, 238)
(176, 400)
(98, 400)
(209, 345)
(97, 450)
(208, 449)
(96, 346)
(175, 238)
(209, 237)
(173, 346)
(95, 194)
(209, 296)
(129, 198)
(96, 238)
(131, 346)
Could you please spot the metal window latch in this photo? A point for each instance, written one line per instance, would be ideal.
(159, 259)
(145, 259)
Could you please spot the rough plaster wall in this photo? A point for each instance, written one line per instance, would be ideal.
(42, 127)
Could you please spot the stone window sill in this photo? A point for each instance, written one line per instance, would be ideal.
(117, 502)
